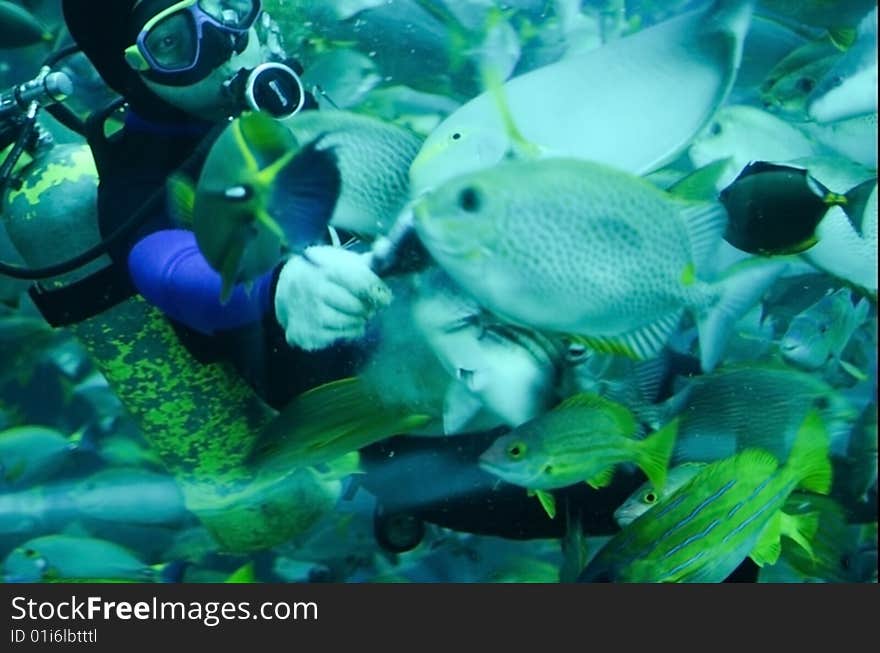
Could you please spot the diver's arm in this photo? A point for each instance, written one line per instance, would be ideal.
(171, 273)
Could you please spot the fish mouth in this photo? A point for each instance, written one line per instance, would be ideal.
(510, 476)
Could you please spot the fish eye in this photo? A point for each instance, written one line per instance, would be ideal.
(650, 497)
(517, 450)
(30, 553)
(805, 84)
(715, 129)
(456, 136)
(823, 328)
(548, 469)
(469, 199)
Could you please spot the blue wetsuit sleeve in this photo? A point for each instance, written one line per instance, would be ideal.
(171, 273)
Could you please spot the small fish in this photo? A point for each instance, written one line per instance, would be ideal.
(718, 417)
(583, 439)
(788, 85)
(68, 558)
(326, 423)
(731, 510)
(633, 128)
(129, 496)
(818, 335)
(31, 454)
(849, 88)
(580, 249)
(776, 209)
(647, 496)
(373, 158)
(260, 196)
(743, 134)
(19, 28)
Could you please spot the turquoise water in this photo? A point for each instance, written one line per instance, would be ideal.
(611, 286)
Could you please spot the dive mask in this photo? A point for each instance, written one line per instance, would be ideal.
(183, 43)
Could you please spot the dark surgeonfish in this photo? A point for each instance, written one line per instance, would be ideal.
(775, 209)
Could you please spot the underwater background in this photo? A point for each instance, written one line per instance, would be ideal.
(614, 369)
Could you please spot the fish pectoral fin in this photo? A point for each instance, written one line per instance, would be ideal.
(768, 547)
(547, 500)
(852, 370)
(602, 479)
(801, 529)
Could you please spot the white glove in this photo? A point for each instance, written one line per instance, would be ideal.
(327, 294)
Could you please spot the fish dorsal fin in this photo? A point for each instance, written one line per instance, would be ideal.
(642, 344)
(264, 139)
(622, 416)
(520, 147)
(650, 375)
(704, 223)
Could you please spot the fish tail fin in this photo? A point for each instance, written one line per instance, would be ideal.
(305, 192)
(801, 529)
(521, 147)
(656, 451)
(742, 288)
(809, 459)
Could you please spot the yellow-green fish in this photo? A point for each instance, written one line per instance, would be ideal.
(328, 422)
(729, 511)
(582, 439)
(577, 247)
(261, 196)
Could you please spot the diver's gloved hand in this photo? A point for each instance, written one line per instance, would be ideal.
(327, 294)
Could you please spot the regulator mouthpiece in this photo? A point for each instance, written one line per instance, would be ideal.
(274, 88)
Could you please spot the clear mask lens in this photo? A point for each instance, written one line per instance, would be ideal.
(172, 42)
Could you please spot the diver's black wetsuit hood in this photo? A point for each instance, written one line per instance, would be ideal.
(101, 29)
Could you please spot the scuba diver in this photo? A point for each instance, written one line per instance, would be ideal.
(184, 69)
